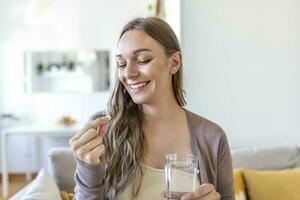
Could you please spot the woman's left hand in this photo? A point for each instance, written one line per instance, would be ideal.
(204, 192)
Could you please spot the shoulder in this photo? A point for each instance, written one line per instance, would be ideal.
(208, 140)
(204, 129)
(97, 115)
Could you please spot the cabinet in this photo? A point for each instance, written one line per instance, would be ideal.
(26, 152)
(66, 71)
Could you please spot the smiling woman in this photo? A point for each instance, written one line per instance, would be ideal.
(140, 58)
(122, 156)
(145, 70)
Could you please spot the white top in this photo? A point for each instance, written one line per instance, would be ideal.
(153, 183)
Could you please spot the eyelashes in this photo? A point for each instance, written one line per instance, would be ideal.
(121, 66)
(144, 62)
(139, 62)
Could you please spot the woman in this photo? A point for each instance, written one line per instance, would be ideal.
(115, 154)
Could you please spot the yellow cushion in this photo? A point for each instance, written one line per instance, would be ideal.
(273, 185)
(66, 196)
(239, 186)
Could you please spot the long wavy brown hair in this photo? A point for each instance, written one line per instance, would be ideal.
(125, 139)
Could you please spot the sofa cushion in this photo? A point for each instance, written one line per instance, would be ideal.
(66, 196)
(42, 187)
(275, 185)
(267, 158)
(62, 167)
(239, 185)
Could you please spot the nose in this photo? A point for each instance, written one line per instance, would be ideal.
(131, 71)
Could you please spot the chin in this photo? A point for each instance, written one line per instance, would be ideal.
(140, 100)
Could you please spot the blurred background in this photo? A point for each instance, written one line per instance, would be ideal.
(241, 63)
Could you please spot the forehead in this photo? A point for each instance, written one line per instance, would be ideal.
(136, 39)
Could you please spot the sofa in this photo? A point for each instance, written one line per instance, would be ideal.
(61, 166)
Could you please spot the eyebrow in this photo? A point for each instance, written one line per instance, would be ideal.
(135, 51)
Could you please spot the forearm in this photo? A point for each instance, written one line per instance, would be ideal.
(90, 184)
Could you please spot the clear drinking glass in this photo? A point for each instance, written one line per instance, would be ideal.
(181, 174)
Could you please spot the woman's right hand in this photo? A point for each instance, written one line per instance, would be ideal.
(87, 143)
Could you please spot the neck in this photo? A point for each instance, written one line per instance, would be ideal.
(165, 109)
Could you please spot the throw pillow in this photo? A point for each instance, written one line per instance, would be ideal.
(275, 185)
(239, 186)
(42, 187)
(66, 196)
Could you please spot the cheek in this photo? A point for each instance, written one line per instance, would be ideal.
(121, 76)
(160, 71)
(157, 69)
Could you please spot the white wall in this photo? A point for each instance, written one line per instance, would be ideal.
(242, 66)
(240, 62)
(80, 24)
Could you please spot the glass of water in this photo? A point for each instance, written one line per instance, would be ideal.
(181, 172)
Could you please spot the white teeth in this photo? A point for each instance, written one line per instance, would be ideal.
(139, 85)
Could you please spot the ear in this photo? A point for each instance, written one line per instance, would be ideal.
(175, 62)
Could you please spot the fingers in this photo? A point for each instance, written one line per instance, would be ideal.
(172, 195)
(92, 125)
(91, 151)
(93, 156)
(102, 130)
(84, 149)
(87, 143)
(213, 195)
(205, 191)
(88, 136)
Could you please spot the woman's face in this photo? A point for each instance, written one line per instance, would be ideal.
(143, 67)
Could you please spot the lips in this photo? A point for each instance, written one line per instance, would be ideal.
(139, 85)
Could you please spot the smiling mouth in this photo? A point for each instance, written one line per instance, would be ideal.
(138, 85)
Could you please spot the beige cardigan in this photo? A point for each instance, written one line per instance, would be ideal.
(209, 143)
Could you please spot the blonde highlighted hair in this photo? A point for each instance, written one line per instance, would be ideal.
(125, 139)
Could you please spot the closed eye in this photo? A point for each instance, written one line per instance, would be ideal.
(140, 62)
(144, 62)
(122, 66)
